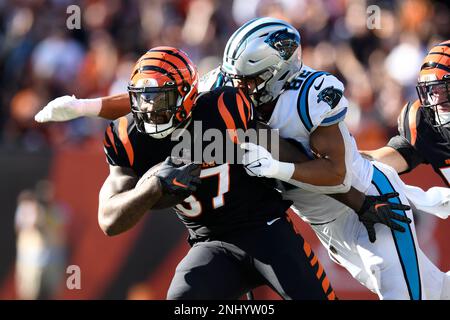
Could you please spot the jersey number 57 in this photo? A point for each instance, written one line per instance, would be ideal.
(191, 207)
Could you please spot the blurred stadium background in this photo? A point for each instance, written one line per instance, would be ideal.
(51, 174)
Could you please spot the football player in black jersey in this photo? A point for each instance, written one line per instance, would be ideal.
(238, 229)
(121, 156)
(424, 125)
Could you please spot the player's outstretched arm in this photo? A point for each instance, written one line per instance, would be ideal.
(69, 107)
(389, 156)
(400, 152)
(124, 199)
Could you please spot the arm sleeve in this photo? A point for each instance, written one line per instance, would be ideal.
(407, 151)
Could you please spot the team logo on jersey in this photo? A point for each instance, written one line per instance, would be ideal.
(330, 95)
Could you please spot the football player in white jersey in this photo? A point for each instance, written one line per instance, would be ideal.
(308, 106)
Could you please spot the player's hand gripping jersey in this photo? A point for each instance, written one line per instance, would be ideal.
(228, 198)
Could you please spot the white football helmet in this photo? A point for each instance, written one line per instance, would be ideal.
(266, 50)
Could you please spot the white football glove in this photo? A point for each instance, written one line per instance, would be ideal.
(259, 162)
(67, 108)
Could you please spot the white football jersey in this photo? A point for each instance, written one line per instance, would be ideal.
(211, 80)
(307, 103)
(314, 98)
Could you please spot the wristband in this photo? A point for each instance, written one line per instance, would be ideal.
(90, 107)
(284, 171)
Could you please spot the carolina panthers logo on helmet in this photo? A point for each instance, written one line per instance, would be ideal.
(330, 95)
(284, 42)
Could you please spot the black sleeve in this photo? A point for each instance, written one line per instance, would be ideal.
(408, 152)
(113, 147)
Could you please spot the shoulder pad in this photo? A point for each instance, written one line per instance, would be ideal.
(211, 80)
(117, 144)
(407, 121)
(321, 100)
(224, 108)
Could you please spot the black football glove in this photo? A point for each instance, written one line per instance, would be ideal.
(377, 209)
(181, 179)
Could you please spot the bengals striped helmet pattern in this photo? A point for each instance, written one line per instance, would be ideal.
(436, 63)
(167, 74)
(433, 87)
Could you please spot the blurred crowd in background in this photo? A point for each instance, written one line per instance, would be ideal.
(40, 58)
(41, 228)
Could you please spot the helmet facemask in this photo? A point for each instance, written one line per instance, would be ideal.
(163, 88)
(436, 96)
(433, 88)
(157, 111)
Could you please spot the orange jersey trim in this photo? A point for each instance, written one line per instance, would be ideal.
(123, 136)
(412, 116)
(247, 103)
(228, 119)
(179, 184)
(111, 138)
(240, 105)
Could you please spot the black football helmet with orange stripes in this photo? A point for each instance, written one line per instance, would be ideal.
(433, 86)
(163, 88)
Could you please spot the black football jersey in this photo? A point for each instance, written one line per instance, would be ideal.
(420, 142)
(228, 199)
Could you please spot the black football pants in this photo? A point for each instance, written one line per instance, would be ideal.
(273, 255)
